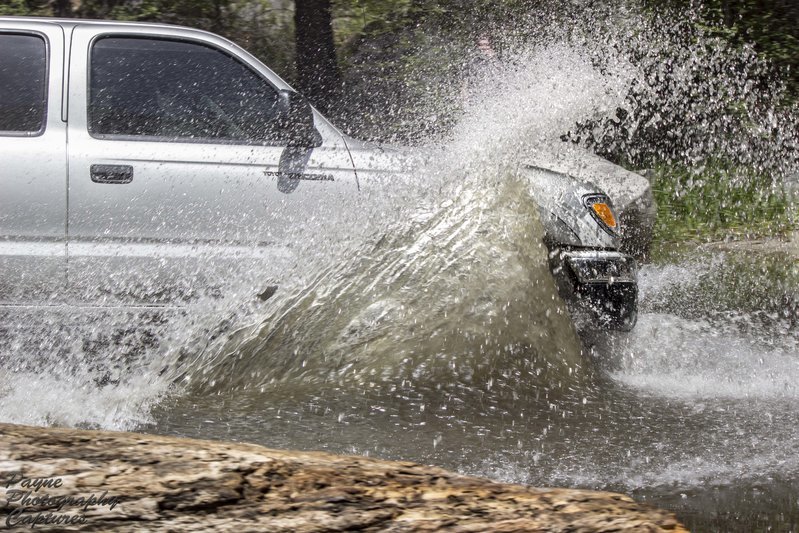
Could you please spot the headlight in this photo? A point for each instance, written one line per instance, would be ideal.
(602, 210)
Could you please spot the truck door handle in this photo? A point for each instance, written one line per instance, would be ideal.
(118, 174)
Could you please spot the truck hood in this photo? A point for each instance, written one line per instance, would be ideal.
(623, 186)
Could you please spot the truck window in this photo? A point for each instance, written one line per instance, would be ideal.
(177, 90)
(23, 92)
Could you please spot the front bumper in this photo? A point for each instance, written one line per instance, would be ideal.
(599, 286)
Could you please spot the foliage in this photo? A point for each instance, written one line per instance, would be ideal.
(771, 25)
(206, 14)
(354, 18)
(716, 201)
(263, 27)
(25, 7)
(696, 96)
(14, 7)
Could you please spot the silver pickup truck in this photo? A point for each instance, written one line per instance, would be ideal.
(124, 146)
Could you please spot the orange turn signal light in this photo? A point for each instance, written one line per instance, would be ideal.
(605, 214)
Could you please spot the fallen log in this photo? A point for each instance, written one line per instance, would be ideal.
(101, 480)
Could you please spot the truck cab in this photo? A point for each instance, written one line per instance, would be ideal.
(134, 152)
(141, 163)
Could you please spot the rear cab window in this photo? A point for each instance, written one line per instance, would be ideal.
(23, 84)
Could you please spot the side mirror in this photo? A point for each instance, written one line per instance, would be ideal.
(295, 120)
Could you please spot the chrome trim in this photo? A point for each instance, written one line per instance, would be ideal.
(595, 266)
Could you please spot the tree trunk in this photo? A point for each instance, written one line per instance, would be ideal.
(107, 481)
(317, 68)
(62, 8)
(729, 13)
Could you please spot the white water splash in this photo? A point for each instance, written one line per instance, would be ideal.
(698, 359)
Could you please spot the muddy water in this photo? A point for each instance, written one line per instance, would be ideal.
(697, 415)
(445, 344)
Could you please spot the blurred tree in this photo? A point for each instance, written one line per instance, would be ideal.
(26, 7)
(265, 28)
(317, 66)
(210, 15)
(62, 8)
(772, 26)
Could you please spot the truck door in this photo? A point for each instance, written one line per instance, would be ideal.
(179, 174)
(32, 163)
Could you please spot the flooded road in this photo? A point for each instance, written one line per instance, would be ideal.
(694, 410)
(698, 416)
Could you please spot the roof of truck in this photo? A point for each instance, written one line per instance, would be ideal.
(68, 23)
(75, 21)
